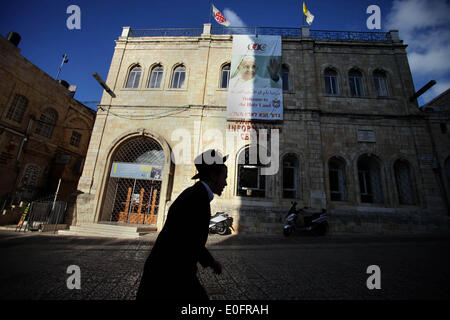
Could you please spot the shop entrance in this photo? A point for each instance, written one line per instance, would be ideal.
(134, 185)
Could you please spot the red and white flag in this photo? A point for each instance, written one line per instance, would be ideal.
(219, 17)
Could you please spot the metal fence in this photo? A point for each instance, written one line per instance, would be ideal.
(42, 213)
(349, 35)
(171, 32)
(284, 32)
(130, 199)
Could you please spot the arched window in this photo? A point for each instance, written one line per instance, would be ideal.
(290, 176)
(225, 76)
(380, 80)
(134, 77)
(17, 109)
(46, 123)
(156, 77)
(447, 171)
(336, 172)
(331, 82)
(369, 180)
(285, 75)
(355, 81)
(179, 75)
(250, 181)
(404, 183)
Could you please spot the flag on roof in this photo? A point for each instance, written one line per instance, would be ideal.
(219, 17)
(309, 15)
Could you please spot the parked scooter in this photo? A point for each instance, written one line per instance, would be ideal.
(304, 220)
(221, 223)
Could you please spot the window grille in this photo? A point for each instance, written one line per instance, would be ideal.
(17, 109)
(132, 200)
(46, 123)
(75, 139)
(29, 181)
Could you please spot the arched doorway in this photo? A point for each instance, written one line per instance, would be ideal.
(134, 182)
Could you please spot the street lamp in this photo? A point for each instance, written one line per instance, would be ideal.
(422, 90)
(103, 84)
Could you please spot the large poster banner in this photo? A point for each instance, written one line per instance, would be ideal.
(255, 90)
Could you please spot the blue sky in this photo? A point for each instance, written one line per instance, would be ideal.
(423, 25)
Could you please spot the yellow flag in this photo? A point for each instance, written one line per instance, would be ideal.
(309, 15)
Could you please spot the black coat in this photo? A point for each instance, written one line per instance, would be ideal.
(170, 269)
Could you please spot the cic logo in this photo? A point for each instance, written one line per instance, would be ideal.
(256, 46)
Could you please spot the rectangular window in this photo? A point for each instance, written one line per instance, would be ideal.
(330, 85)
(289, 183)
(225, 78)
(381, 86)
(365, 187)
(249, 177)
(356, 86)
(178, 78)
(75, 139)
(156, 78)
(133, 80)
(251, 182)
(335, 192)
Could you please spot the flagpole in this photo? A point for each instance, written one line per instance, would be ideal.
(210, 12)
(303, 20)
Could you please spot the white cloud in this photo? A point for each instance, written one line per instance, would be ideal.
(431, 62)
(409, 15)
(424, 25)
(235, 20)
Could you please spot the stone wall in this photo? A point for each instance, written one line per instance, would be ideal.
(20, 145)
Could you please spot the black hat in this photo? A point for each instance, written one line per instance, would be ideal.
(207, 160)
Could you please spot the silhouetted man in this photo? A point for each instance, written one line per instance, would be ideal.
(170, 271)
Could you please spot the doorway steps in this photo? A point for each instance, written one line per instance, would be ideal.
(107, 230)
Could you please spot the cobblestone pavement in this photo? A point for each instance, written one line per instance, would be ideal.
(34, 266)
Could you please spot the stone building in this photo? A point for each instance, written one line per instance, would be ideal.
(44, 131)
(437, 112)
(350, 141)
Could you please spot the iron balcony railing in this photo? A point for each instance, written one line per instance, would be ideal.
(171, 32)
(284, 32)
